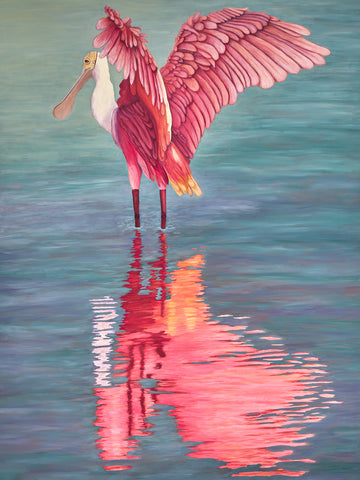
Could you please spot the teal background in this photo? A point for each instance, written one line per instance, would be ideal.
(279, 223)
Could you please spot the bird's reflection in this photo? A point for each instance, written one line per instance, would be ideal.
(235, 394)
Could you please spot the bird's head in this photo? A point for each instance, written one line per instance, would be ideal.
(64, 108)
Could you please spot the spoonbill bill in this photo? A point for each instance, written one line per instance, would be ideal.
(160, 115)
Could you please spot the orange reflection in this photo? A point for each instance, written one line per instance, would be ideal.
(244, 405)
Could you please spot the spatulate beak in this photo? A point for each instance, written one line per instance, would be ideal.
(64, 108)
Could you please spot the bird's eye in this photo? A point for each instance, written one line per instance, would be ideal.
(87, 61)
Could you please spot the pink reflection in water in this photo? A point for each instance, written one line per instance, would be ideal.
(238, 402)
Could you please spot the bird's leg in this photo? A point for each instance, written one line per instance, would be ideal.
(136, 204)
(163, 208)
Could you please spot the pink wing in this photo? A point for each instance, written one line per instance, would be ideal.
(125, 48)
(217, 56)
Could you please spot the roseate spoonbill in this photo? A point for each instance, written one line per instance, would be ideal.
(161, 115)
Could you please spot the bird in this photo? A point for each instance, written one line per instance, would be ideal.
(161, 114)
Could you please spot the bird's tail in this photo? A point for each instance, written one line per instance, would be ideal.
(179, 173)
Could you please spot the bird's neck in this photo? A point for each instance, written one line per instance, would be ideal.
(103, 98)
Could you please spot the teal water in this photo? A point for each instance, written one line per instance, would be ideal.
(277, 230)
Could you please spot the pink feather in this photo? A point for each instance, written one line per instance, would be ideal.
(200, 115)
(295, 29)
(219, 45)
(113, 39)
(103, 23)
(278, 73)
(202, 108)
(276, 53)
(211, 90)
(100, 40)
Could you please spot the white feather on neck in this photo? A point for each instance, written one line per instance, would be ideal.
(103, 99)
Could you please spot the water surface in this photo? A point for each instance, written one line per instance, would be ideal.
(228, 341)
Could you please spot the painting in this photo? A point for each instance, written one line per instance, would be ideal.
(207, 331)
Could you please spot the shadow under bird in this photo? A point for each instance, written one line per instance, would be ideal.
(161, 114)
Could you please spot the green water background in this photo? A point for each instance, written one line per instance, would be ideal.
(279, 220)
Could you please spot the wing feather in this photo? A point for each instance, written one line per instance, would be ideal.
(288, 48)
(264, 76)
(219, 55)
(286, 62)
(200, 117)
(275, 71)
(212, 90)
(112, 39)
(202, 101)
(125, 48)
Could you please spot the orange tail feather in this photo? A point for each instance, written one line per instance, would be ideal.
(179, 173)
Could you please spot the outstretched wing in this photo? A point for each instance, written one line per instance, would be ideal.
(217, 56)
(125, 47)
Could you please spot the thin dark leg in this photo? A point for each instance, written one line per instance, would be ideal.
(163, 208)
(136, 203)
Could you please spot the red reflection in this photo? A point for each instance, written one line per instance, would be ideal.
(236, 401)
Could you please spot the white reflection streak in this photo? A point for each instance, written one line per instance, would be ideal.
(103, 329)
